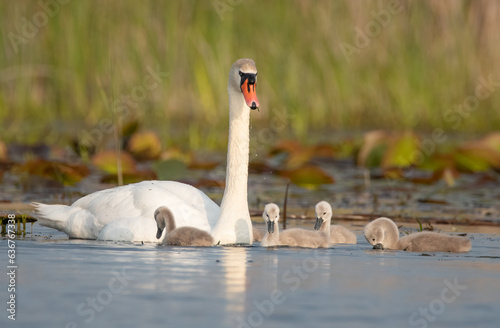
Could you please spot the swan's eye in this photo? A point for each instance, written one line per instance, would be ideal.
(241, 74)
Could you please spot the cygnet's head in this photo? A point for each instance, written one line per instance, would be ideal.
(382, 233)
(271, 216)
(243, 80)
(164, 219)
(323, 214)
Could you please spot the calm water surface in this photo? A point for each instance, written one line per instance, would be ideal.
(76, 283)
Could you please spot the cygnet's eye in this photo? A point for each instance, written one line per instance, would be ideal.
(373, 239)
(324, 213)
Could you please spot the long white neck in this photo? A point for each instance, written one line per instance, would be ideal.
(234, 224)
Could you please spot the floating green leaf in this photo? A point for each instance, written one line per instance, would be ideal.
(492, 140)
(373, 148)
(67, 174)
(471, 161)
(375, 156)
(144, 146)
(106, 161)
(171, 169)
(403, 151)
(3, 151)
(308, 176)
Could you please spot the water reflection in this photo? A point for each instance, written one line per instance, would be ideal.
(235, 277)
(352, 285)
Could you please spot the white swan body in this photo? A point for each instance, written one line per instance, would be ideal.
(127, 213)
(383, 233)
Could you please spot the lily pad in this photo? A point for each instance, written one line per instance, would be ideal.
(144, 146)
(106, 161)
(308, 176)
(196, 164)
(171, 169)
(67, 174)
(472, 160)
(3, 151)
(373, 148)
(481, 154)
(403, 151)
(492, 140)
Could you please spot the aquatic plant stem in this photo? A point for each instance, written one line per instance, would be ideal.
(117, 123)
(285, 204)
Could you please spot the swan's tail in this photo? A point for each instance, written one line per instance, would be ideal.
(52, 216)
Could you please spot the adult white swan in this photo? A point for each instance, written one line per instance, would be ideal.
(127, 213)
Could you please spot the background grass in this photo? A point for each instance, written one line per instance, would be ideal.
(426, 60)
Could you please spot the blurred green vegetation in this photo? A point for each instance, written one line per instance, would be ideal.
(427, 59)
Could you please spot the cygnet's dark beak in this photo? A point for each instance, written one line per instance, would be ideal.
(319, 223)
(158, 233)
(270, 226)
(378, 246)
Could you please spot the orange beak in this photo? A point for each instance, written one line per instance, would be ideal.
(250, 94)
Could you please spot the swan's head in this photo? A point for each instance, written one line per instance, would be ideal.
(243, 79)
(271, 216)
(382, 233)
(323, 214)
